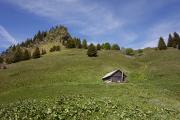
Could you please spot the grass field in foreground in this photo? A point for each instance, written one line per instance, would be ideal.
(154, 81)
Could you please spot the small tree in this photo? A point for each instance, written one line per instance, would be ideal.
(1, 60)
(129, 51)
(115, 47)
(71, 43)
(26, 55)
(107, 46)
(78, 43)
(162, 44)
(98, 47)
(176, 40)
(92, 51)
(8, 60)
(43, 52)
(58, 48)
(36, 53)
(102, 46)
(18, 55)
(84, 44)
(170, 41)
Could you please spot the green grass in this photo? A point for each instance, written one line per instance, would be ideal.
(154, 80)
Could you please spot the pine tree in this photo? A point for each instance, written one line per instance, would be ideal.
(92, 51)
(36, 53)
(102, 46)
(84, 44)
(1, 60)
(78, 43)
(98, 47)
(26, 55)
(107, 46)
(71, 43)
(115, 47)
(170, 41)
(129, 51)
(43, 52)
(18, 55)
(176, 39)
(161, 44)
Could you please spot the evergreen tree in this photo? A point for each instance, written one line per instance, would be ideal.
(98, 47)
(43, 52)
(8, 60)
(115, 47)
(78, 43)
(176, 40)
(26, 55)
(129, 51)
(57, 48)
(107, 46)
(161, 44)
(36, 53)
(13, 48)
(92, 51)
(170, 41)
(1, 60)
(102, 46)
(84, 44)
(18, 55)
(71, 43)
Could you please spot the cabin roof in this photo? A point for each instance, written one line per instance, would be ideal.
(111, 73)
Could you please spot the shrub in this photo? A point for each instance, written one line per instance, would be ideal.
(26, 55)
(115, 47)
(129, 51)
(84, 44)
(71, 43)
(55, 48)
(107, 46)
(92, 51)
(43, 52)
(98, 47)
(1, 60)
(8, 60)
(36, 53)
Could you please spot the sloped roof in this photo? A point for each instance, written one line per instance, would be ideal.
(110, 74)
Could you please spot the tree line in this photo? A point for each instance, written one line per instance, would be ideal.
(29, 49)
(173, 41)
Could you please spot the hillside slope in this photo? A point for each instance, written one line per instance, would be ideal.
(154, 79)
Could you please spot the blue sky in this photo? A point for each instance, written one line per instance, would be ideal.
(130, 23)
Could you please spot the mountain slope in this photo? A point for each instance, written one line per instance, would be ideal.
(153, 78)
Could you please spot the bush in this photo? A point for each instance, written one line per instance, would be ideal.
(115, 47)
(55, 48)
(36, 53)
(1, 60)
(92, 51)
(43, 52)
(107, 46)
(26, 55)
(8, 60)
(71, 43)
(129, 51)
(98, 47)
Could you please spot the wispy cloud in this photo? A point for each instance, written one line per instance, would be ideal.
(161, 30)
(5, 38)
(124, 22)
(91, 18)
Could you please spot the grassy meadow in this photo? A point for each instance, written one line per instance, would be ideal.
(152, 91)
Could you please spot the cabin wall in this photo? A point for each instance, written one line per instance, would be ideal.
(117, 77)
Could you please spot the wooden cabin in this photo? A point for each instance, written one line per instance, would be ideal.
(117, 76)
